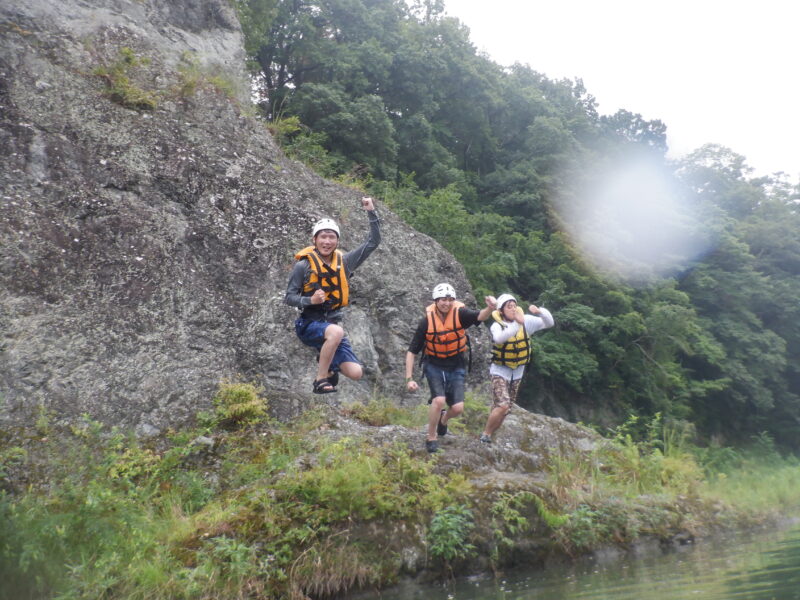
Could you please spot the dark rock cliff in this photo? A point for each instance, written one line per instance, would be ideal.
(147, 231)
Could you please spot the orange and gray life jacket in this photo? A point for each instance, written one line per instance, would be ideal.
(331, 279)
(445, 339)
(517, 350)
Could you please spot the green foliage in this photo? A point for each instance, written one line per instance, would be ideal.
(443, 216)
(239, 403)
(118, 83)
(395, 98)
(641, 458)
(192, 76)
(588, 527)
(281, 512)
(222, 84)
(115, 518)
(473, 419)
(10, 457)
(658, 461)
(43, 420)
(508, 522)
(326, 571)
(382, 411)
(90, 528)
(354, 479)
(448, 534)
(300, 143)
(755, 478)
(356, 129)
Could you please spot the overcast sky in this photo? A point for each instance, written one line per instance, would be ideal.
(713, 71)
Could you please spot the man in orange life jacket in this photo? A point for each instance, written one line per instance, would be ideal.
(442, 337)
(319, 287)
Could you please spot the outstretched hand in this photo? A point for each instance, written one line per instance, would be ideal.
(368, 203)
(491, 302)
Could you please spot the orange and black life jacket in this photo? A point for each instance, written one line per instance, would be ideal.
(332, 278)
(444, 339)
(516, 351)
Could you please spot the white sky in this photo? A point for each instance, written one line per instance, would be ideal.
(713, 71)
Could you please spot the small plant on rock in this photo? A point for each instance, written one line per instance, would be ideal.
(449, 531)
(118, 83)
(239, 404)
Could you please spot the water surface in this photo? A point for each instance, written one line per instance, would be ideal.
(759, 566)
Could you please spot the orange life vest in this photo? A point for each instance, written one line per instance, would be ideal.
(447, 338)
(332, 278)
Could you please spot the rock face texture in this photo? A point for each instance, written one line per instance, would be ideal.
(149, 223)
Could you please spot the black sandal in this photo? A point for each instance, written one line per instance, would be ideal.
(323, 386)
(334, 378)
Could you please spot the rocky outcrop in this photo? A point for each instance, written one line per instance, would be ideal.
(149, 221)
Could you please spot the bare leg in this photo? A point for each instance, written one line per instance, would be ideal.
(496, 418)
(434, 412)
(351, 370)
(333, 335)
(452, 412)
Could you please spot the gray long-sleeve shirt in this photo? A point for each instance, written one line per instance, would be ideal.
(351, 261)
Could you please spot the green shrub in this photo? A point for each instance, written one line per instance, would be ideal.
(449, 532)
(239, 404)
(354, 479)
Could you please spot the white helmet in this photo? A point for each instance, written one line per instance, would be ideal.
(443, 290)
(325, 224)
(503, 299)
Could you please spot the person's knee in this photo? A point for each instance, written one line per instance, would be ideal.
(456, 409)
(351, 370)
(504, 409)
(334, 333)
(439, 402)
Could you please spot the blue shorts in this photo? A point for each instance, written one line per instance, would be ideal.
(312, 333)
(445, 382)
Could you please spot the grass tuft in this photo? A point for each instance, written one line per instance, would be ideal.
(118, 83)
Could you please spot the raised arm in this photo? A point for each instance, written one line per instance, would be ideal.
(354, 258)
(486, 311)
(540, 318)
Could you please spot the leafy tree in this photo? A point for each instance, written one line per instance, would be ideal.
(633, 128)
(357, 130)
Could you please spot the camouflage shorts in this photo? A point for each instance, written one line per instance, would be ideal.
(504, 392)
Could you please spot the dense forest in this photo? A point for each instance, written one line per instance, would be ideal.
(684, 301)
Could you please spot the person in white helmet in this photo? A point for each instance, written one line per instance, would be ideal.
(441, 337)
(319, 287)
(511, 330)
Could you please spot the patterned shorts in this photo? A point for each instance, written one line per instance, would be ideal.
(504, 392)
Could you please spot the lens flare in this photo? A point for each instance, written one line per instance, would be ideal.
(633, 222)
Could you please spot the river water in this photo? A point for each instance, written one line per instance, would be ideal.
(761, 566)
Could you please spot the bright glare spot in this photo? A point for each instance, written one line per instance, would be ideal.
(632, 223)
